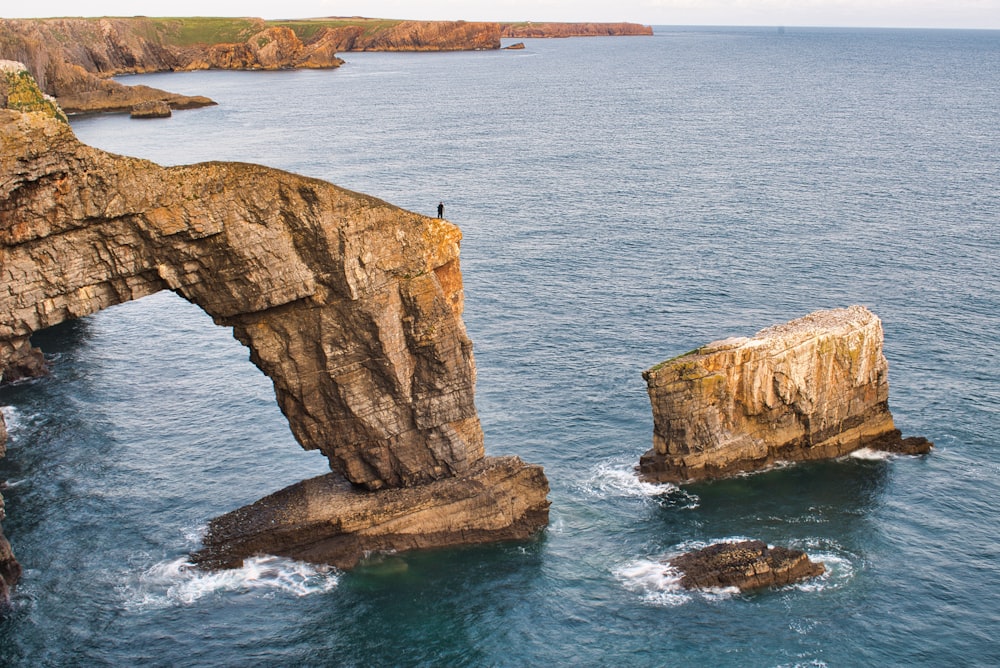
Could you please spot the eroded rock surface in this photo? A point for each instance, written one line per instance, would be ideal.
(326, 520)
(813, 388)
(350, 305)
(746, 565)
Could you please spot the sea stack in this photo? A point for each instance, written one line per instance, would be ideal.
(813, 388)
(351, 306)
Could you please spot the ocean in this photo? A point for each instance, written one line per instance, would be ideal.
(623, 200)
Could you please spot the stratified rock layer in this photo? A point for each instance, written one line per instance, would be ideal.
(746, 565)
(350, 305)
(813, 388)
(325, 520)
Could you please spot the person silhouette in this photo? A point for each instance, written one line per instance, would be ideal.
(440, 209)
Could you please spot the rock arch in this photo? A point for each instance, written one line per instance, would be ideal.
(350, 305)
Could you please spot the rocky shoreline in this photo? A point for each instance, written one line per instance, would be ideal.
(73, 59)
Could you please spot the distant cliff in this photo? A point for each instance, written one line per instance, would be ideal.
(531, 29)
(73, 59)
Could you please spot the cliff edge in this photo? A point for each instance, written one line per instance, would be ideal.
(813, 388)
(351, 306)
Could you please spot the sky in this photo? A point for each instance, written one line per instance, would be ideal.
(837, 13)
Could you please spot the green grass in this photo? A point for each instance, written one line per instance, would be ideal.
(306, 29)
(23, 95)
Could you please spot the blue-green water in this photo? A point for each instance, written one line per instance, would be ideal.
(623, 200)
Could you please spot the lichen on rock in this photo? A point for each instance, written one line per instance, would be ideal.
(813, 388)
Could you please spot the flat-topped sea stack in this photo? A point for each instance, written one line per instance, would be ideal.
(351, 306)
(813, 388)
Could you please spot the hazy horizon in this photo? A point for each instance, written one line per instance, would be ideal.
(976, 14)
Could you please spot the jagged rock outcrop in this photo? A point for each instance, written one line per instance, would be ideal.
(350, 305)
(746, 565)
(531, 29)
(813, 388)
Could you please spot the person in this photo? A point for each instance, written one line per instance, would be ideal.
(440, 209)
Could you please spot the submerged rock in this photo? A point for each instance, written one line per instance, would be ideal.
(813, 388)
(745, 565)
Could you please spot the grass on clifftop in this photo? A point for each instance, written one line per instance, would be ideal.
(194, 30)
(306, 29)
(205, 30)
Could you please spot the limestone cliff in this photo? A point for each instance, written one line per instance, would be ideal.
(350, 305)
(813, 388)
(72, 59)
(531, 29)
(412, 36)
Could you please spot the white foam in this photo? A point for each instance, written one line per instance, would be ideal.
(178, 582)
(655, 582)
(618, 478)
(868, 454)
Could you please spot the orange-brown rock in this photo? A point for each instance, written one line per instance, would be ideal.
(351, 306)
(531, 29)
(746, 565)
(415, 36)
(72, 59)
(325, 520)
(813, 388)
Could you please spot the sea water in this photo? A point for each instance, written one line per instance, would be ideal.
(623, 200)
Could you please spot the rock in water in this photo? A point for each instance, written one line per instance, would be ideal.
(747, 565)
(351, 306)
(813, 388)
(151, 109)
(326, 520)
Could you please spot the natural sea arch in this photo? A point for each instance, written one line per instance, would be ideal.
(351, 306)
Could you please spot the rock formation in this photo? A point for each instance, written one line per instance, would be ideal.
(72, 59)
(746, 565)
(531, 29)
(813, 388)
(412, 36)
(350, 305)
(151, 109)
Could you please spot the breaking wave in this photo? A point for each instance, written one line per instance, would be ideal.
(179, 582)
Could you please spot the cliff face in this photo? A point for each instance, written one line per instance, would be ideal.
(415, 36)
(530, 29)
(351, 306)
(72, 58)
(813, 388)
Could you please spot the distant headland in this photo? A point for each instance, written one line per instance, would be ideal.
(73, 59)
